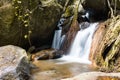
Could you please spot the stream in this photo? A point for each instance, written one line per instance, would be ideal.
(52, 70)
(77, 60)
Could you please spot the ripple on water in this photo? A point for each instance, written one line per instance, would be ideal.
(49, 70)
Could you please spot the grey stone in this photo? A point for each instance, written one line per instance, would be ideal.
(13, 63)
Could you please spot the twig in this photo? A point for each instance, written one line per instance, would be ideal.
(111, 10)
(115, 7)
(65, 5)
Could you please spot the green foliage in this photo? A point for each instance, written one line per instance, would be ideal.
(23, 15)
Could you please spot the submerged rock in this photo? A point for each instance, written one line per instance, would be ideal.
(107, 78)
(84, 25)
(96, 76)
(13, 63)
(47, 54)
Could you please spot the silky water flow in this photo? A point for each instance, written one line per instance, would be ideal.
(80, 47)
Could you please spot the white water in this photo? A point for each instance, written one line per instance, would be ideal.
(80, 49)
(58, 38)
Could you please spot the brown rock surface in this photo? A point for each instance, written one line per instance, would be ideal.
(106, 54)
(47, 54)
(95, 76)
(98, 35)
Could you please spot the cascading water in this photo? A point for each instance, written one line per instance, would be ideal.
(79, 50)
(58, 38)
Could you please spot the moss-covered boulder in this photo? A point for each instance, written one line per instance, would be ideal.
(6, 20)
(28, 23)
(106, 54)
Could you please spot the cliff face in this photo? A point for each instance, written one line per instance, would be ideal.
(106, 54)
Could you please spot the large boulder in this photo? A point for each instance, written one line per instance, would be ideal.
(95, 9)
(98, 35)
(42, 20)
(13, 63)
(105, 51)
(101, 7)
(95, 4)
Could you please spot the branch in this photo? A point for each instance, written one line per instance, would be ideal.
(65, 5)
(115, 7)
(111, 10)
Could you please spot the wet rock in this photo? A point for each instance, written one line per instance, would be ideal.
(74, 27)
(105, 52)
(107, 78)
(95, 76)
(84, 25)
(47, 54)
(97, 38)
(66, 25)
(13, 63)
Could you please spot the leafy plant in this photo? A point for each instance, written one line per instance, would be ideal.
(23, 15)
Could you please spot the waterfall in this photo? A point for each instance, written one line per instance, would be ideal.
(80, 48)
(58, 37)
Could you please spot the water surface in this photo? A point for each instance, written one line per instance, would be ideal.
(52, 70)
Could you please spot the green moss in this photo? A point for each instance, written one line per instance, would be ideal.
(5, 18)
(108, 54)
(111, 38)
(69, 11)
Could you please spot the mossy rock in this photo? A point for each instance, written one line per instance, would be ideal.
(107, 54)
(43, 21)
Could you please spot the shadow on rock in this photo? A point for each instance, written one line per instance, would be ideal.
(47, 54)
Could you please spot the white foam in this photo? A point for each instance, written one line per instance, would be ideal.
(80, 49)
